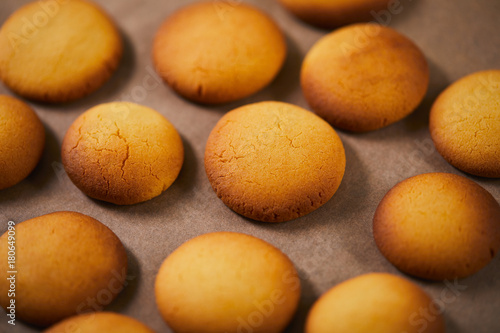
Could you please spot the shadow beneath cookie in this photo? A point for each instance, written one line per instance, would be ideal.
(165, 202)
(440, 164)
(120, 78)
(285, 84)
(110, 90)
(418, 120)
(353, 190)
(389, 15)
(494, 182)
(45, 171)
(226, 107)
(184, 184)
(397, 12)
(43, 174)
(348, 219)
(133, 278)
(451, 324)
(464, 293)
(437, 83)
(307, 298)
(186, 179)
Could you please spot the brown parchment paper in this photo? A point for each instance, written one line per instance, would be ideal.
(328, 246)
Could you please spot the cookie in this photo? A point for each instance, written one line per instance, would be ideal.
(22, 138)
(334, 13)
(274, 161)
(364, 77)
(438, 226)
(227, 282)
(58, 51)
(217, 52)
(375, 303)
(66, 263)
(100, 322)
(465, 124)
(122, 153)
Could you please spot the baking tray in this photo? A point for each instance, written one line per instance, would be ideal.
(328, 246)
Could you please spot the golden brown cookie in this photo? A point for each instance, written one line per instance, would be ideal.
(364, 77)
(465, 124)
(227, 282)
(375, 303)
(274, 161)
(438, 226)
(22, 138)
(217, 52)
(105, 322)
(122, 153)
(66, 262)
(331, 14)
(58, 51)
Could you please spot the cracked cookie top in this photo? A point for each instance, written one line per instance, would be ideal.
(274, 161)
(123, 153)
(465, 124)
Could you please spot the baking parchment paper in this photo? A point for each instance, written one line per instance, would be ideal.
(328, 246)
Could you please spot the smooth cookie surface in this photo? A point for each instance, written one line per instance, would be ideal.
(22, 138)
(364, 77)
(58, 51)
(438, 226)
(274, 161)
(217, 52)
(374, 303)
(67, 263)
(100, 322)
(227, 282)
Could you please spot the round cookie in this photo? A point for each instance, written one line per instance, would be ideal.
(100, 322)
(227, 282)
(58, 51)
(438, 226)
(22, 138)
(375, 303)
(364, 77)
(66, 263)
(123, 153)
(331, 14)
(465, 124)
(274, 161)
(217, 52)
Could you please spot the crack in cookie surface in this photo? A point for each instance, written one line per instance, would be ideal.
(122, 157)
(274, 161)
